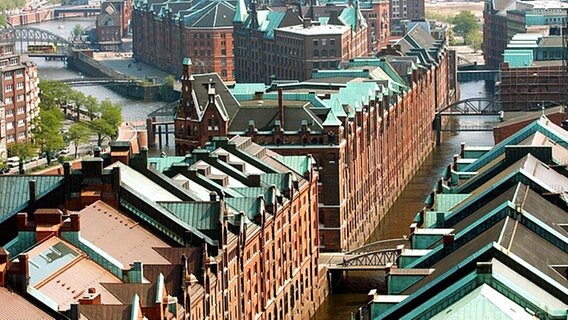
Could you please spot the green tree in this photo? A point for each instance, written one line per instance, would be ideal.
(53, 93)
(47, 132)
(108, 123)
(78, 133)
(3, 20)
(77, 31)
(474, 39)
(464, 23)
(24, 151)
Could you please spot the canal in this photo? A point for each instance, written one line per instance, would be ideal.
(347, 298)
(351, 294)
(132, 110)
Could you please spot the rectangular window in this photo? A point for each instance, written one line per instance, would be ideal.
(332, 42)
(19, 85)
(20, 123)
(20, 98)
(9, 126)
(19, 73)
(9, 88)
(8, 101)
(21, 135)
(8, 76)
(20, 110)
(315, 42)
(223, 52)
(10, 138)
(323, 42)
(9, 113)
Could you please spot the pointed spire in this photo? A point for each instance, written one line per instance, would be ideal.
(241, 13)
(331, 120)
(254, 16)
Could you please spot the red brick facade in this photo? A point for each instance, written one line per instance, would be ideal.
(165, 41)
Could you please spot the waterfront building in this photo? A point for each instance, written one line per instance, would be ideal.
(533, 74)
(490, 240)
(406, 10)
(19, 94)
(368, 126)
(504, 19)
(227, 232)
(284, 45)
(165, 32)
(113, 24)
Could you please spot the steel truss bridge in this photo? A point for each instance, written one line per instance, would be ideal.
(25, 35)
(380, 255)
(467, 107)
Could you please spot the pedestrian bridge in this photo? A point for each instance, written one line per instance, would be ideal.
(476, 72)
(85, 82)
(380, 255)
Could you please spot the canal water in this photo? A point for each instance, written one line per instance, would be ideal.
(347, 298)
(351, 294)
(132, 110)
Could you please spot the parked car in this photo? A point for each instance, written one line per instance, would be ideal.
(13, 162)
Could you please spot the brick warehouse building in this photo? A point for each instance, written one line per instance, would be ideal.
(229, 232)
(368, 127)
(284, 45)
(165, 32)
(18, 93)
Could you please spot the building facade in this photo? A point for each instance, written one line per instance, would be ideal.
(406, 10)
(292, 46)
(19, 93)
(113, 24)
(504, 19)
(368, 127)
(229, 232)
(164, 33)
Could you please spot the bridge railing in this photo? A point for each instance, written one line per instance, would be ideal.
(381, 245)
(375, 258)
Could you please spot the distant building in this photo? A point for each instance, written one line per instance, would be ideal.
(406, 10)
(113, 24)
(504, 19)
(19, 95)
(164, 33)
(283, 45)
(368, 126)
(533, 74)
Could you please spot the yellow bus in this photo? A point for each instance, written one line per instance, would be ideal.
(42, 48)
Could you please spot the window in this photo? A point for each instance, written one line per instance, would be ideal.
(20, 110)
(316, 53)
(21, 135)
(8, 101)
(19, 85)
(223, 73)
(332, 42)
(10, 138)
(9, 113)
(223, 35)
(9, 88)
(332, 53)
(323, 42)
(20, 98)
(19, 73)
(8, 76)
(315, 42)
(324, 53)
(20, 123)
(223, 52)
(9, 126)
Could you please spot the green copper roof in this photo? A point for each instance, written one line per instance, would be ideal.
(162, 164)
(445, 202)
(300, 164)
(14, 192)
(200, 215)
(186, 61)
(331, 120)
(253, 192)
(240, 12)
(250, 206)
(280, 180)
(483, 303)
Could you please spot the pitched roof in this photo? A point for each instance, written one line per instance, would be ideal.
(15, 192)
(107, 312)
(217, 14)
(121, 237)
(200, 215)
(15, 307)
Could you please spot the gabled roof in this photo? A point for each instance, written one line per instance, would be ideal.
(217, 14)
(14, 192)
(13, 306)
(200, 215)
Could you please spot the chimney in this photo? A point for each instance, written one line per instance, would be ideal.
(440, 185)
(75, 222)
(281, 105)
(448, 239)
(333, 17)
(462, 150)
(307, 22)
(213, 196)
(251, 127)
(136, 272)
(97, 152)
(33, 195)
(90, 297)
(254, 180)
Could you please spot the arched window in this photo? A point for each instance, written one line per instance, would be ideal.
(209, 124)
(316, 53)
(324, 53)
(332, 53)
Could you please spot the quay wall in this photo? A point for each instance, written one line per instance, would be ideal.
(82, 62)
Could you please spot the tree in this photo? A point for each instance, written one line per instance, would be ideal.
(464, 23)
(108, 123)
(47, 132)
(53, 93)
(78, 133)
(474, 39)
(77, 31)
(3, 20)
(24, 151)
